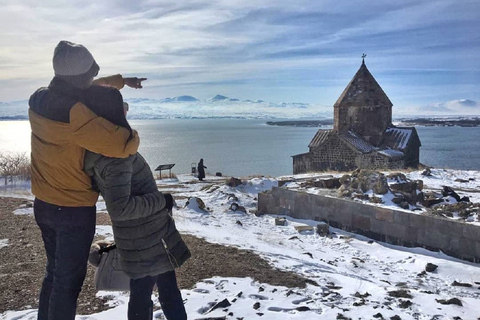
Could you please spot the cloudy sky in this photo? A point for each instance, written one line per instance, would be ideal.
(421, 52)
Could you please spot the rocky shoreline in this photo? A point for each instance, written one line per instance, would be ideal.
(444, 122)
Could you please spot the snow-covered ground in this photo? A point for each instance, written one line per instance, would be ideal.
(354, 274)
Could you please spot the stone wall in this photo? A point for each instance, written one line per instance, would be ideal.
(301, 163)
(334, 154)
(412, 154)
(374, 161)
(368, 121)
(457, 239)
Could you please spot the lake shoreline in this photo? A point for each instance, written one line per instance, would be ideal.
(428, 122)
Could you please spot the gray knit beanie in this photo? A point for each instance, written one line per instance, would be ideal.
(73, 63)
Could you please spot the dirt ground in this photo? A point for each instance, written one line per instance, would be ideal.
(22, 264)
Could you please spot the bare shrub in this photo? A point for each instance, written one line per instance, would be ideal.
(14, 166)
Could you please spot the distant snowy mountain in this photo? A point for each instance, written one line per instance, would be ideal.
(462, 106)
(217, 98)
(189, 107)
(180, 99)
(221, 106)
(14, 110)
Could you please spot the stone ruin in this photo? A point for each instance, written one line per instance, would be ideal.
(370, 185)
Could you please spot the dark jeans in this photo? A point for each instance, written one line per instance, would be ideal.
(67, 234)
(140, 306)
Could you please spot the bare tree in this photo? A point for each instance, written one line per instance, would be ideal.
(14, 166)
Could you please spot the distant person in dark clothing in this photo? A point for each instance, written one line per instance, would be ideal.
(201, 170)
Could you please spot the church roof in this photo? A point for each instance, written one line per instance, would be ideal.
(320, 137)
(357, 142)
(391, 153)
(363, 90)
(350, 137)
(398, 137)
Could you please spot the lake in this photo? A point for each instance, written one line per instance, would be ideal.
(249, 147)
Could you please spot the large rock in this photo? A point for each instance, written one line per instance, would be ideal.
(372, 180)
(233, 182)
(447, 191)
(196, 203)
(304, 228)
(407, 186)
(331, 183)
(364, 180)
(344, 191)
(323, 229)
(398, 177)
(427, 172)
(236, 207)
(280, 221)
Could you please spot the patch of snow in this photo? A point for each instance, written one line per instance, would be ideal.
(391, 153)
(23, 211)
(3, 243)
(402, 136)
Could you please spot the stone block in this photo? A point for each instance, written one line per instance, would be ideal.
(264, 198)
(394, 240)
(454, 245)
(360, 222)
(447, 226)
(320, 201)
(396, 230)
(401, 217)
(319, 215)
(470, 231)
(342, 217)
(276, 191)
(280, 221)
(437, 240)
(383, 214)
(418, 220)
(291, 195)
(423, 238)
(378, 226)
(362, 209)
(302, 207)
(323, 229)
(411, 235)
(466, 247)
(272, 205)
(477, 250)
(375, 235)
(284, 211)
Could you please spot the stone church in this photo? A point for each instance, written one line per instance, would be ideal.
(363, 135)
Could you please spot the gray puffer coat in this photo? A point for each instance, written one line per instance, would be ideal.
(144, 231)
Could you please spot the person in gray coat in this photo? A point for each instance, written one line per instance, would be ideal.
(147, 240)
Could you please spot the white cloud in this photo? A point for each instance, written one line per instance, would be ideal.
(281, 48)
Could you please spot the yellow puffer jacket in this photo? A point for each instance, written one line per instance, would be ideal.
(62, 128)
